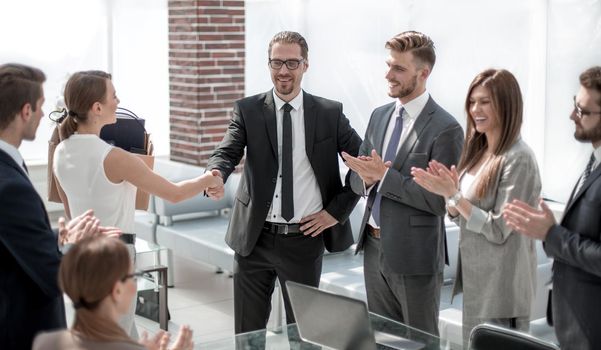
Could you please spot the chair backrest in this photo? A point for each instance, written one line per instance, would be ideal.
(491, 337)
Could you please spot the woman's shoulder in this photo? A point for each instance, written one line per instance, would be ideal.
(520, 151)
(65, 339)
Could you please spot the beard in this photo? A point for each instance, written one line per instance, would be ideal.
(284, 89)
(406, 90)
(591, 135)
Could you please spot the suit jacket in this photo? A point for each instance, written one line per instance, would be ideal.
(30, 299)
(411, 218)
(253, 127)
(575, 246)
(496, 268)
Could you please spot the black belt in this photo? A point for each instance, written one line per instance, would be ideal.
(281, 229)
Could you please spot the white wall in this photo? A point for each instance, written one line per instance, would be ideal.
(127, 38)
(545, 43)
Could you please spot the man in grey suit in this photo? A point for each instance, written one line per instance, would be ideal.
(403, 230)
(291, 201)
(574, 243)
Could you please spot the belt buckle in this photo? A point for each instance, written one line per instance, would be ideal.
(285, 229)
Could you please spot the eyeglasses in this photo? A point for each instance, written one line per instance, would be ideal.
(134, 275)
(582, 112)
(291, 64)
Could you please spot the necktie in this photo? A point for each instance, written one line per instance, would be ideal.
(586, 173)
(390, 154)
(25, 167)
(287, 190)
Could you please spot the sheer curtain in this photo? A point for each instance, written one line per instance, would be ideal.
(544, 43)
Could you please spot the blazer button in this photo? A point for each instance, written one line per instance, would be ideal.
(268, 204)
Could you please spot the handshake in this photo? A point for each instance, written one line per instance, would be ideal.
(215, 189)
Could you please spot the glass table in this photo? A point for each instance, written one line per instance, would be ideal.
(148, 261)
(257, 340)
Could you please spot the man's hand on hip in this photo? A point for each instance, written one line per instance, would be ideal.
(315, 224)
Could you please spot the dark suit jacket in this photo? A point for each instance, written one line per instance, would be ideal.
(575, 246)
(253, 126)
(30, 299)
(411, 218)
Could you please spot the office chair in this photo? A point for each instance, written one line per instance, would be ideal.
(491, 337)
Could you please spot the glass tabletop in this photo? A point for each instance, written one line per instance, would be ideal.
(143, 246)
(258, 340)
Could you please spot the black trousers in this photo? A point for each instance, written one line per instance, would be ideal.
(293, 257)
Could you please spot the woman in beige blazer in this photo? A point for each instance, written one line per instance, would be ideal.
(98, 277)
(497, 268)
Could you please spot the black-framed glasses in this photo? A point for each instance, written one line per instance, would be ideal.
(134, 275)
(291, 64)
(582, 112)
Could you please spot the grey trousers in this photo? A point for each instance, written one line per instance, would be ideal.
(410, 299)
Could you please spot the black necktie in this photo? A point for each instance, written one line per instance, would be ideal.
(287, 190)
(390, 155)
(25, 167)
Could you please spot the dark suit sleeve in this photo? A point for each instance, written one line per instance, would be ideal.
(341, 206)
(231, 149)
(25, 232)
(574, 249)
(401, 188)
(356, 182)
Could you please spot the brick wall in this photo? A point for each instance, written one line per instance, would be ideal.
(206, 74)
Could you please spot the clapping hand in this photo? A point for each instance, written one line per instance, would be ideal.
(370, 169)
(82, 226)
(160, 341)
(437, 178)
(527, 220)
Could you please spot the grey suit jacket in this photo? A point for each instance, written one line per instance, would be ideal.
(575, 246)
(412, 219)
(497, 267)
(253, 127)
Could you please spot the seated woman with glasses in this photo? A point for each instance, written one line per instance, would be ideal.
(98, 277)
(496, 267)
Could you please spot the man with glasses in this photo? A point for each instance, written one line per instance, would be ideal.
(574, 243)
(291, 201)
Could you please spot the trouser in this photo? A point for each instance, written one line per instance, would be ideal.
(293, 257)
(410, 299)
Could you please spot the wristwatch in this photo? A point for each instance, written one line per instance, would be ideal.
(454, 199)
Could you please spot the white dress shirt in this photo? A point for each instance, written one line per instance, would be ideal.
(307, 197)
(412, 110)
(13, 152)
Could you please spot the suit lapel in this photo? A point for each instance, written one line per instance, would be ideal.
(420, 123)
(4, 157)
(310, 116)
(270, 121)
(592, 177)
(380, 130)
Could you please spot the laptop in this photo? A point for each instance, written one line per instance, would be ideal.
(338, 322)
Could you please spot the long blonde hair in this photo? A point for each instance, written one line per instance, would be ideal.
(507, 102)
(87, 274)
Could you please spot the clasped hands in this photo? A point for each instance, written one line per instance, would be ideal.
(217, 190)
(83, 226)
(437, 178)
(370, 169)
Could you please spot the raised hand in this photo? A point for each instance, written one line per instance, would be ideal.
(437, 179)
(370, 169)
(527, 220)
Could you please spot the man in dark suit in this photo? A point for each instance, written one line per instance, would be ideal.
(30, 299)
(403, 230)
(574, 243)
(291, 201)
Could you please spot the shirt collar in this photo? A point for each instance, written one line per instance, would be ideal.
(13, 152)
(296, 102)
(414, 107)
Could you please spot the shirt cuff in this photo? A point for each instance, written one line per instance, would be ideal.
(477, 219)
